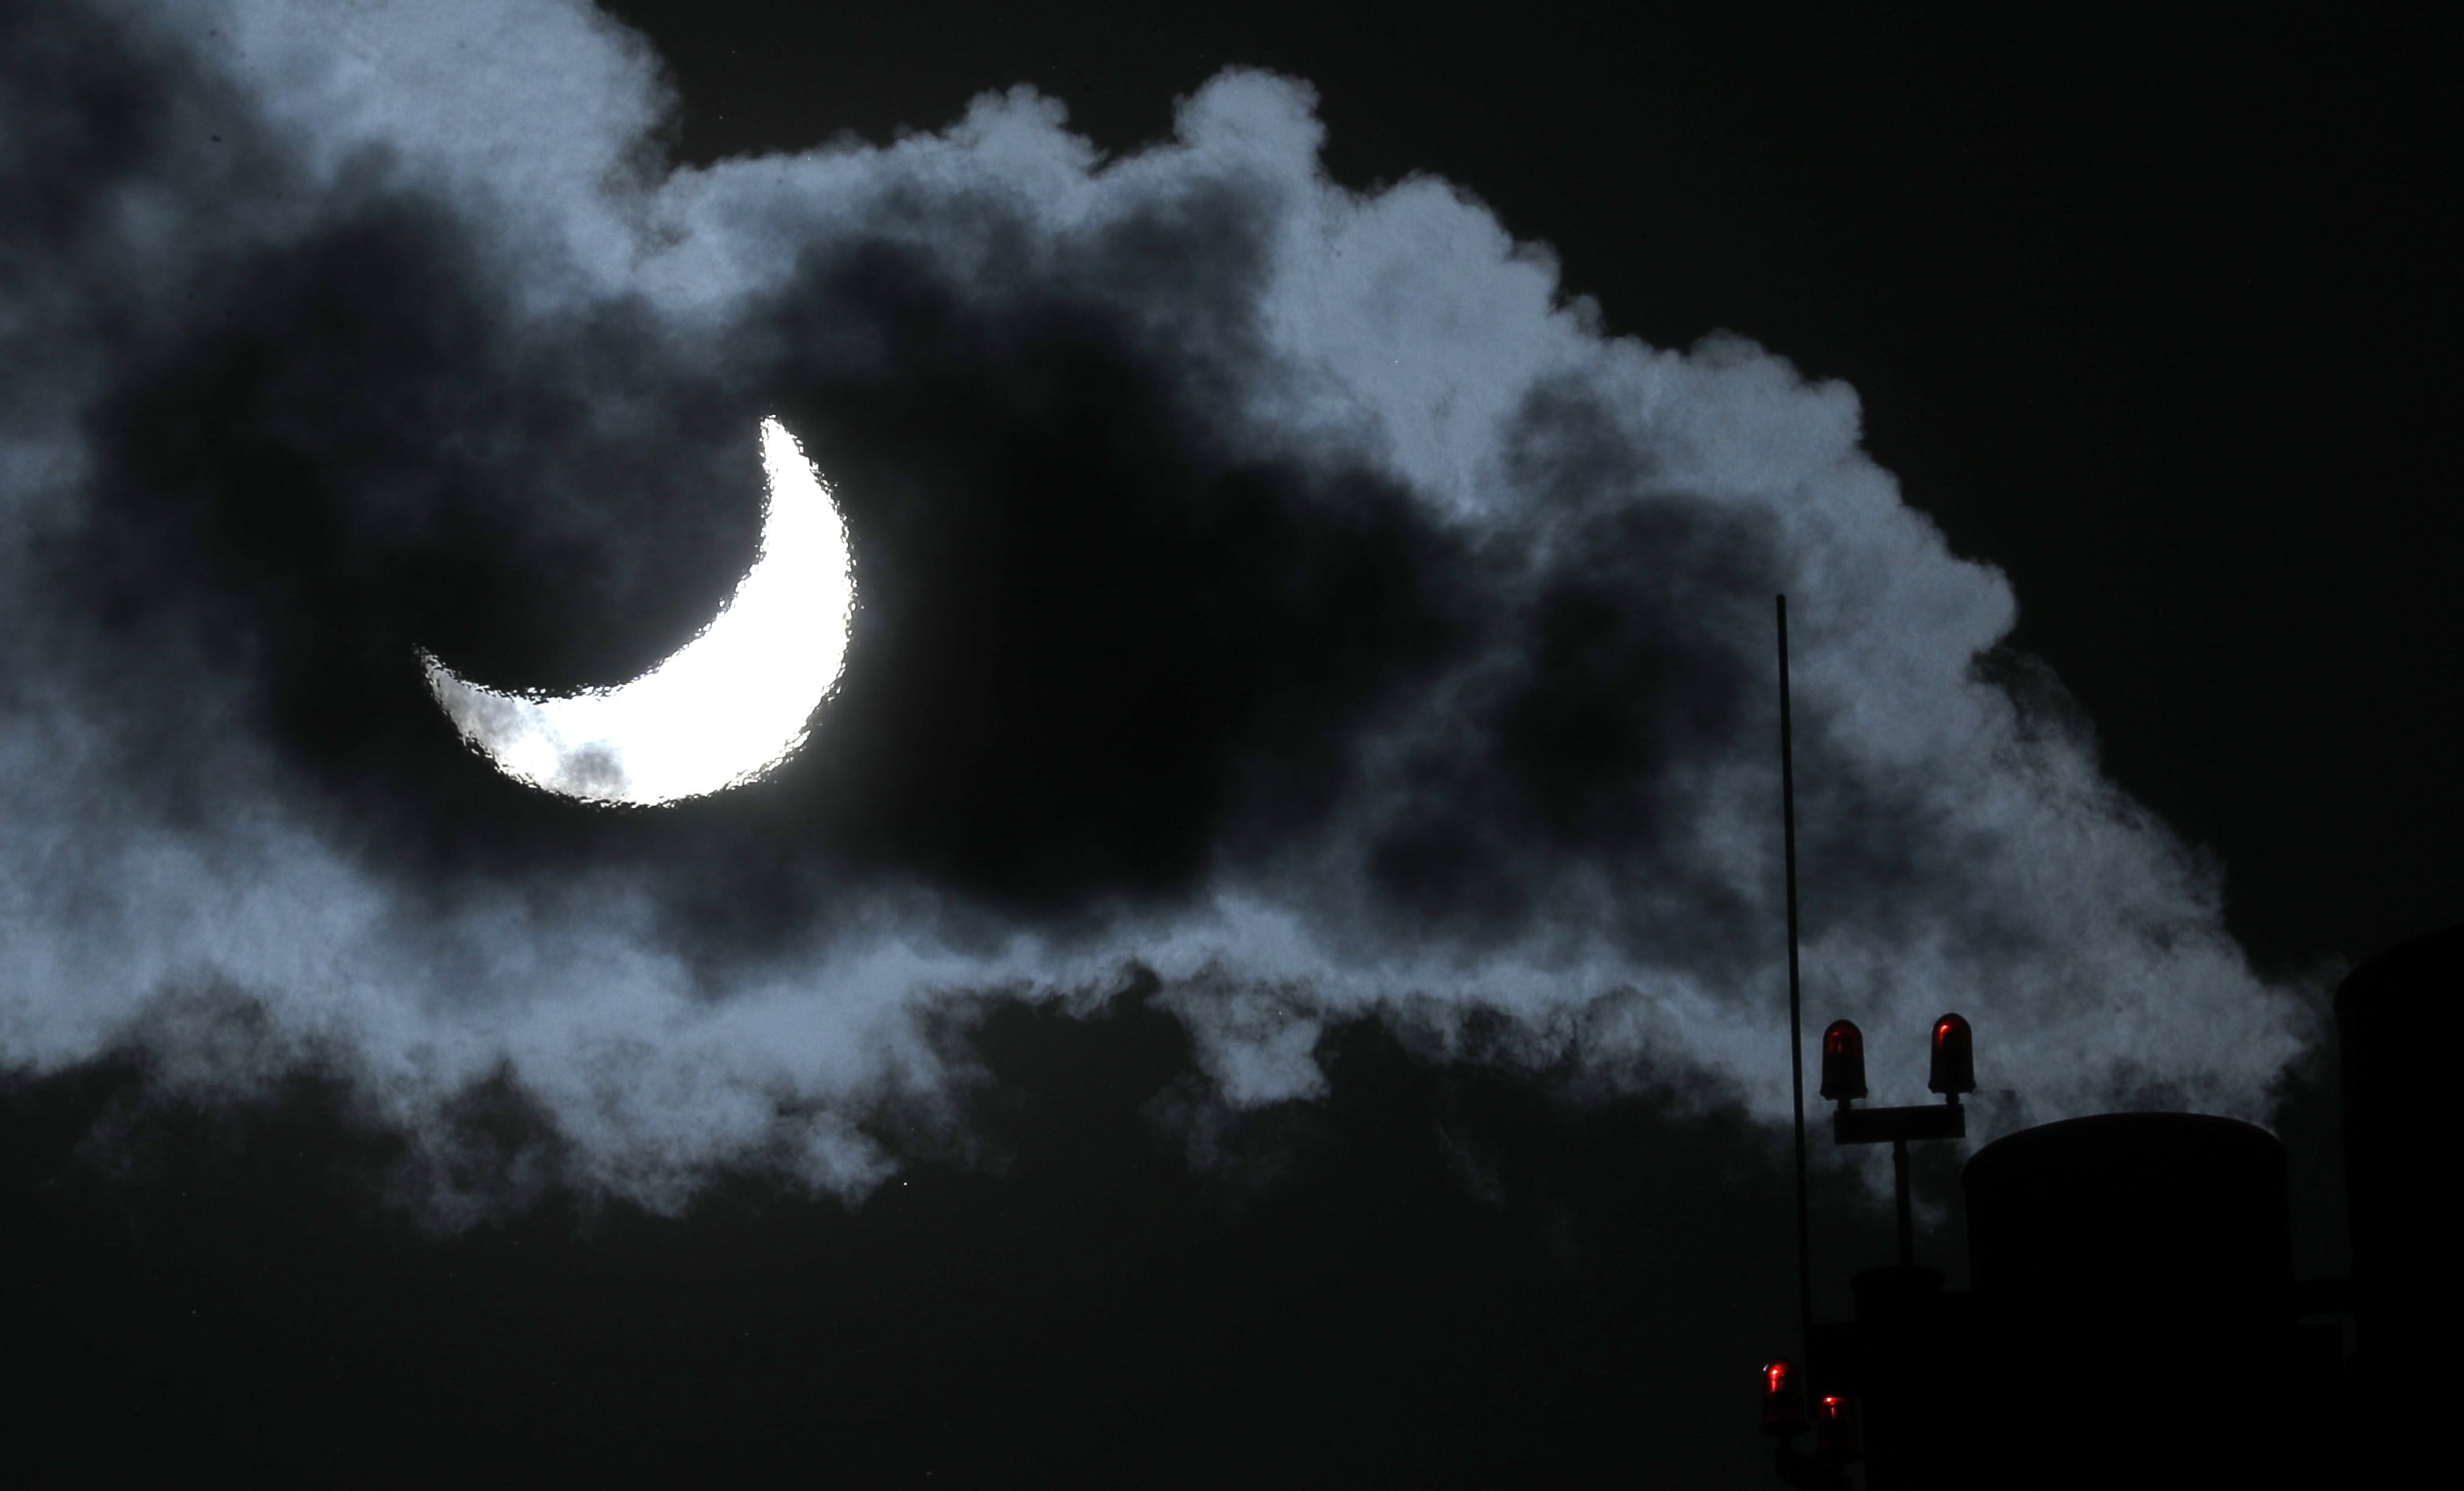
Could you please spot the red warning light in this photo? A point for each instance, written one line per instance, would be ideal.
(1835, 1427)
(1843, 1062)
(1783, 1400)
(1954, 1058)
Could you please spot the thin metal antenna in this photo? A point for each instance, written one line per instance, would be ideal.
(1795, 1015)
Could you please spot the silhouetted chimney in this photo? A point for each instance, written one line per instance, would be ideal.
(2397, 1019)
(2134, 1274)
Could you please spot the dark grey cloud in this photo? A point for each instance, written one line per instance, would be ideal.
(1278, 590)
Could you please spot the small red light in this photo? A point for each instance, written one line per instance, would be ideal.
(1783, 1400)
(1954, 1058)
(1835, 1427)
(1843, 1062)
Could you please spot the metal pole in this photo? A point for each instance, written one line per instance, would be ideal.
(1899, 1184)
(1795, 1015)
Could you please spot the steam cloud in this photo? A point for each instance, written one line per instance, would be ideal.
(1281, 590)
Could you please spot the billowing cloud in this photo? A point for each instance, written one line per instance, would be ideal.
(1275, 593)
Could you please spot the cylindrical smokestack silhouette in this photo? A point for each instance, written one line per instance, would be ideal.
(2134, 1273)
(2397, 1019)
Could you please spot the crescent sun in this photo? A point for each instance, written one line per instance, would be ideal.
(722, 710)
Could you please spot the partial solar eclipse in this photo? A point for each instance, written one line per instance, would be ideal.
(722, 710)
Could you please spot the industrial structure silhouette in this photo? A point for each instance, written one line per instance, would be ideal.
(2134, 1315)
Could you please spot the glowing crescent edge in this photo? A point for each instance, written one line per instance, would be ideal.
(724, 709)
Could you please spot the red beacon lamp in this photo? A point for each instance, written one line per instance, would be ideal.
(1954, 1059)
(1835, 1428)
(1843, 1062)
(1783, 1399)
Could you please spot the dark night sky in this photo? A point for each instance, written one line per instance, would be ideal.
(2154, 317)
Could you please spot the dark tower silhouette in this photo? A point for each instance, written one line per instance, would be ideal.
(2133, 1273)
(2397, 1019)
(2133, 1319)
